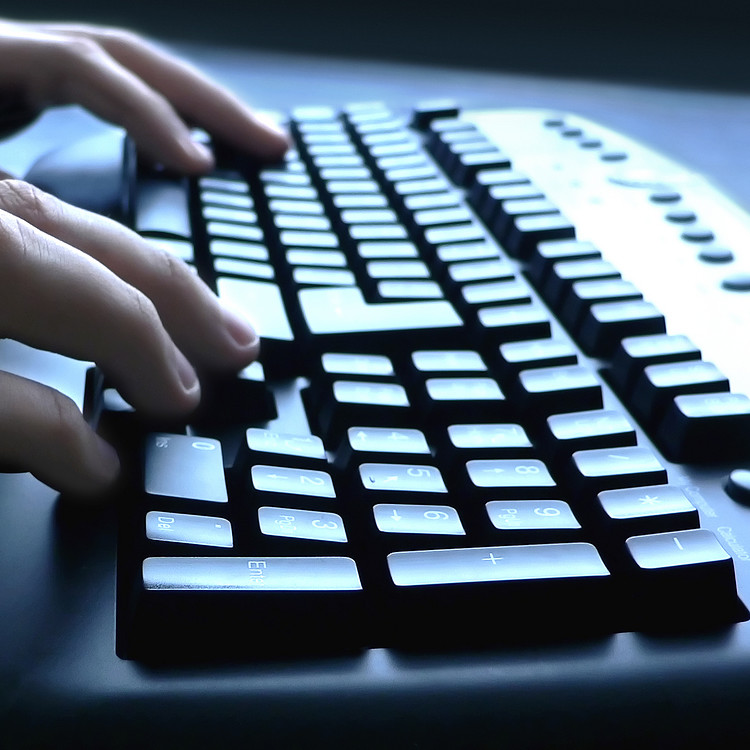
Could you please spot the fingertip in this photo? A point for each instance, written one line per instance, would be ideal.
(242, 336)
(103, 469)
(197, 157)
(277, 141)
(188, 377)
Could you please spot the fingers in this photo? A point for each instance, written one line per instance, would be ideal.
(42, 431)
(125, 79)
(211, 336)
(117, 306)
(52, 296)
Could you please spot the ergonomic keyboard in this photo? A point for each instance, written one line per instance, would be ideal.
(500, 399)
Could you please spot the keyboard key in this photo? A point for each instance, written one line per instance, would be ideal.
(508, 211)
(381, 441)
(226, 199)
(437, 216)
(425, 113)
(397, 269)
(496, 195)
(281, 480)
(433, 201)
(293, 523)
(181, 466)
(394, 478)
(468, 232)
(359, 402)
(475, 399)
(701, 427)
(646, 510)
(418, 519)
(161, 208)
(480, 440)
(387, 249)
(261, 303)
(524, 355)
(238, 249)
(316, 277)
(231, 214)
(227, 185)
(546, 390)
(243, 268)
(533, 584)
(409, 290)
(583, 294)
(480, 270)
(288, 448)
(485, 179)
(659, 384)
(548, 253)
(467, 165)
(518, 478)
(314, 257)
(485, 564)
(357, 365)
(184, 528)
(614, 468)
(359, 201)
(342, 318)
(588, 430)
(526, 232)
(533, 521)
(302, 222)
(510, 291)
(635, 353)
(448, 361)
(409, 184)
(563, 274)
(513, 323)
(682, 576)
(607, 323)
(251, 574)
(466, 252)
(230, 231)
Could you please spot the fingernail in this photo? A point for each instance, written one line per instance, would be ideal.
(188, 376)
(201, 151)
(242, 333)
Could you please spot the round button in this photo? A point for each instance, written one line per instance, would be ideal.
(737, 282)
(665, 196)
(738, 486)
(681, 216)
(716, 255)
(698, 234)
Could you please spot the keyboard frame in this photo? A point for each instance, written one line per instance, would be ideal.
(62, 685)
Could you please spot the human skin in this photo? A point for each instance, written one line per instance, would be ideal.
(83, 285)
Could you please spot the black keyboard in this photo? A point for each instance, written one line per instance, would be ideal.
(499, 397)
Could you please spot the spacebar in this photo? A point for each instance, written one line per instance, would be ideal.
(342, 317)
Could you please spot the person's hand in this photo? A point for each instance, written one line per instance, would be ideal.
(131, 82)
(86, 287)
